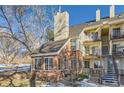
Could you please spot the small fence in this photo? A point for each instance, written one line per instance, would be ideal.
(18, 69)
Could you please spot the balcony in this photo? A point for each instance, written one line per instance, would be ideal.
(117, 49)
(94, 55)
(91, 40)
(116, 34)
(118, 53)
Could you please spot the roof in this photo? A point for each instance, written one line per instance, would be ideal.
(77, 29)
(51, 47)
(55, 46)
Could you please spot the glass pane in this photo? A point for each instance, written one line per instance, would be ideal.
(38, 64)
(48, 63)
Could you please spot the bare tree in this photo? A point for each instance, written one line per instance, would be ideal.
(9, 49)
(27, 24)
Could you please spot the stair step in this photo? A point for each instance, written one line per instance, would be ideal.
(108, 78)
(111, 72)
(110, 75)
(110, 81)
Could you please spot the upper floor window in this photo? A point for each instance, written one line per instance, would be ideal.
(48, 63)
(37, 63)
(116, 32)
(117, 49)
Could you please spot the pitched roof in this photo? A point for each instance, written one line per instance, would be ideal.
(51, 47)
(55, 46)
(77, 29)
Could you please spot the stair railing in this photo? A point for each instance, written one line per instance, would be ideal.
(116, 69)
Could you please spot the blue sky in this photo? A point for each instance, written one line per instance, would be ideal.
(80, 14)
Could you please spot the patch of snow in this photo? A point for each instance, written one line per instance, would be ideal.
(47, 84)
(86, 84)
(85, 80)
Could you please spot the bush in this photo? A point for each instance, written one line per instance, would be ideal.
(82, 76)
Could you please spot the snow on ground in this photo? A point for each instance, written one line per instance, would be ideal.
(83, 83)
(47, 84)
(86, 84)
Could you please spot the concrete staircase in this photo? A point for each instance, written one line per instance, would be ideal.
(110, 78)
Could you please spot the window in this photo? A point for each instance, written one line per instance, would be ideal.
(48, 63)
(116, 32)
(114, 47)
(97, 64)
(73, 45)
(37, 64)
(86, 64)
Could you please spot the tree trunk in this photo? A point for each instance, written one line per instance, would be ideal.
(33, 79)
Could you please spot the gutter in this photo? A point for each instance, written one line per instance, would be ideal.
(104, 23)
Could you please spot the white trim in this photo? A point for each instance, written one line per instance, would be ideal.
(116, 21)
(35, 63)
(103, 23)
(37, 57)
(63, 46)
(48, 64)
(44, 54)
(49, 57)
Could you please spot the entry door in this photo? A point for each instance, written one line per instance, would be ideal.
(110, 64)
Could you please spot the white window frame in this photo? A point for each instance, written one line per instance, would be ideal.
(48, 65)
(37, 58)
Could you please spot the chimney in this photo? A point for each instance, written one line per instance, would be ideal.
(98, 15)
(112, 11)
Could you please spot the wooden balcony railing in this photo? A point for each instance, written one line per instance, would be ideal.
(117, 36)
(93, 39)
